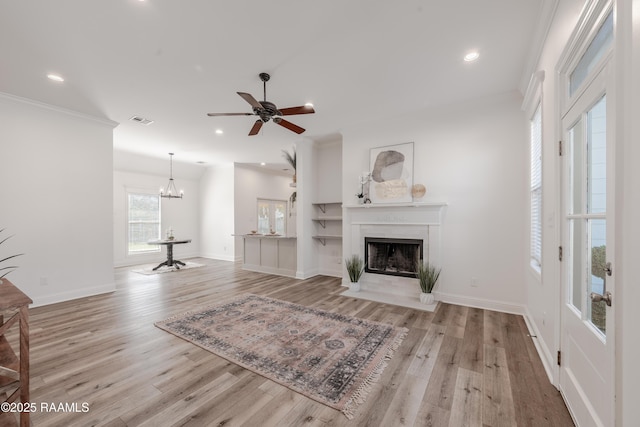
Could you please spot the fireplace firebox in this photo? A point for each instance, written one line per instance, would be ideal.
(394, 257)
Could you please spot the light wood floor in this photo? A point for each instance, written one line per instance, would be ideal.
(458, 366)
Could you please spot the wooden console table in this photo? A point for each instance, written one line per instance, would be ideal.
(14, 369)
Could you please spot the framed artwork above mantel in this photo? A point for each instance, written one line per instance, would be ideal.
(391, 172)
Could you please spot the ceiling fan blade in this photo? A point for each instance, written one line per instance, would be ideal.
(303, 109)
(256, 128)
(250, 99)
(229, 114)
(295, 128)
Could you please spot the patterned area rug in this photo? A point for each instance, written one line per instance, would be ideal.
(329, 357)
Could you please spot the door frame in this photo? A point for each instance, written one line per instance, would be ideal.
(593, 15)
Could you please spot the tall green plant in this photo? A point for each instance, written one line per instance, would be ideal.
(10, 268)
(355, 267)
(428, 276)
(290, 158)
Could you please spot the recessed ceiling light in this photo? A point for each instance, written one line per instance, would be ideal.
(471, 56)
(219, 131)
(263, 164)
(55, 77)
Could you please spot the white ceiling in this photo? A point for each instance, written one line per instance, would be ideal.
(173, 61)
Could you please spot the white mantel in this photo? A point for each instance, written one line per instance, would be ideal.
(401, 220)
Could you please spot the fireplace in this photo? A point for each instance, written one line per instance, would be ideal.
(390, 256)
(396, 222)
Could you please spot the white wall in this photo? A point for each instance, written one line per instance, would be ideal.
(328, 174)
(473, 157)
(542, 291)
(183, 215)
(230, 195)
(327, 182)
(217, 212)
(56, 200)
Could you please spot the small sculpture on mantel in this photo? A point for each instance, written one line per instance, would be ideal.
(418, 191)
(365, 180)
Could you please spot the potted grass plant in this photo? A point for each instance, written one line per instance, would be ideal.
(291, 159)
(6, 269)
(427, 275)
(355, 268)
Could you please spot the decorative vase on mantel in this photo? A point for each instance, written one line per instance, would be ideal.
(354, 286)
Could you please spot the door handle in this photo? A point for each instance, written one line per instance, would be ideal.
(607, 268)
(607, 297)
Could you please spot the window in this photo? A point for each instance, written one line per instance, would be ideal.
(600, 45)
(536, 189)
(144, 222)
(272, 216)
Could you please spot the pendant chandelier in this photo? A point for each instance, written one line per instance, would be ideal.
(172, 192)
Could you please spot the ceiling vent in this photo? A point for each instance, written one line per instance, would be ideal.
(141, 120)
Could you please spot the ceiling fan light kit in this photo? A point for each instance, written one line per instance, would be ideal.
(266, 111)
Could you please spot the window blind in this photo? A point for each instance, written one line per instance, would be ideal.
(536, 188)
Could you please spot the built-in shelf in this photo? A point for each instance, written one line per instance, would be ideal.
(323, 205)
(323, 220)
(323, 239)
(328, 213)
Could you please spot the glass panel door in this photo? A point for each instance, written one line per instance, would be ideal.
(264, 212)
(587, 213)
(272, 216)
(587, 313)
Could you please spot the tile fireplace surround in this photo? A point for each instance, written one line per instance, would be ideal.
(421, 221)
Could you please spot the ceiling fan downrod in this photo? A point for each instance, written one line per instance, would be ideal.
(265, 78)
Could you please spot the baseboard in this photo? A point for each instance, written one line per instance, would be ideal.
(486, 304)
(269, 270)
(307, 273)
(221, 257)
(330, 273)
(149, 258)
(73, 294)
(545, 355)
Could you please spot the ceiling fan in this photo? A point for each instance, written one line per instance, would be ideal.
(268, 111)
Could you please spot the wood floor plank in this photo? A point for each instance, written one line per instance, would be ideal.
(473, 342)
(432, 416)
(442, 383)
(466, 409)
(425, 358)
(190, 406)
(498, 408)
(404, 407)
(105, 350)
(492, 333)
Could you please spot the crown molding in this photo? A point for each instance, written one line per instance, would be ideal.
(38, 104)
(547, 14)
